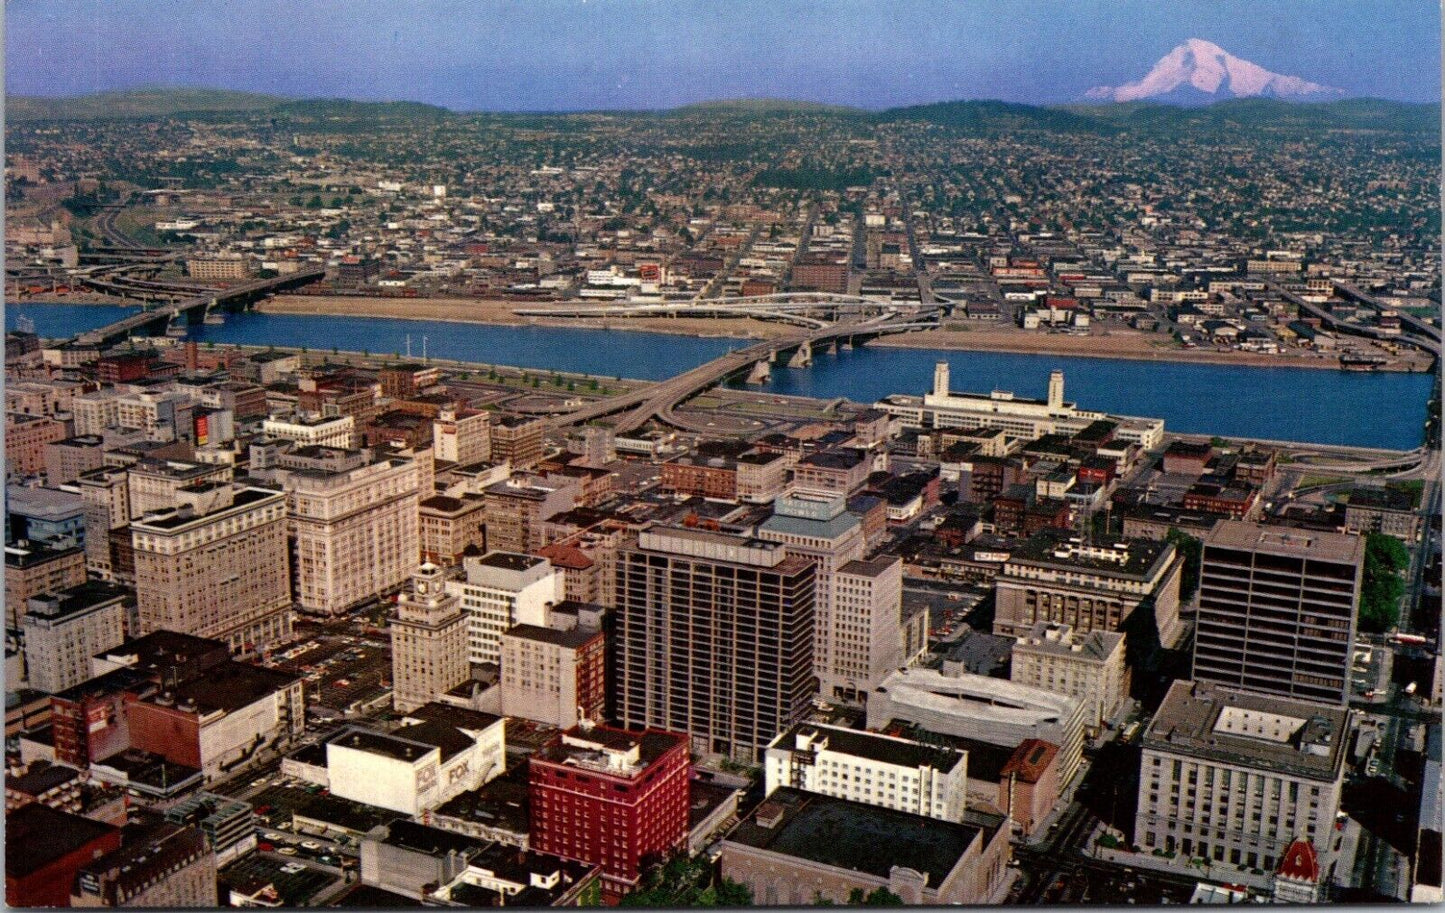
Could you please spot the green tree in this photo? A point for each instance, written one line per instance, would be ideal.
(314, 202)
(1385, 560)
(882, 897)
(1192, 550)
(683, 882)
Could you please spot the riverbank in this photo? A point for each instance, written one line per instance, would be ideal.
(1111, 343)
(1123, 344)
(499, 313)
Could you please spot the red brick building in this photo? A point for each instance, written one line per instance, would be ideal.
(1234, 501)
(615, 798)
(716, 478)
(123, 368)
(44, 850)
(1185, 458)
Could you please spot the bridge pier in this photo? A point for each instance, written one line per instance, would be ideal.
(762, 371)
(803, 357)
(845, 342)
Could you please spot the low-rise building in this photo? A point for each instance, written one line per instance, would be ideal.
(219, 720)
(1029, 785)
(979, 707)
(229, 825)
(44, 851)
(173, 867)
(443, 869)
(881, 770)
(1392, 511)
(798, 847)
(441, 753)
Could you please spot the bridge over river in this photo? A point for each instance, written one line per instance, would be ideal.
(197, 306)
(659, 400)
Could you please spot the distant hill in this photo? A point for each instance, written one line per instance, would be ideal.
(149, 102)
(1344, 114)
(169, 102)
(767, 106)
(345, 107)
(995, 115)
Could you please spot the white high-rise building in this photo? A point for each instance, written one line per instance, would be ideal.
(354, 524)
(503, 589)
(819, 529)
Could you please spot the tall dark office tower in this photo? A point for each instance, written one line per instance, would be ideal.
(714, 638)
(1277, 610)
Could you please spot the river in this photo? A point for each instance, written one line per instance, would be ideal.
(1384, 409)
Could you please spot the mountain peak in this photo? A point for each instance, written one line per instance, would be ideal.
(1202, 71)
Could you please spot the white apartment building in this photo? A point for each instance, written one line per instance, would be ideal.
(1235, 777)
(502, 589)
(338, 431)
(94, 412)
(1088, 666)
(873, 769)
(463, 437)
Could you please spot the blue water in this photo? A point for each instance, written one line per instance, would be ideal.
(1296, 404)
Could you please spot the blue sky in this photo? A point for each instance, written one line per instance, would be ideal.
(588, 54)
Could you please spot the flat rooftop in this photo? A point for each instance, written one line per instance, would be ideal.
(570, 639)
(1253, 730)
(1324, 546)
(881, 748)
(1113, 557)
(851, 835)
(509, 561)
(37, 835)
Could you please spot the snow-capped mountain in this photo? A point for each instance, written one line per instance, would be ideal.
(1200, 71)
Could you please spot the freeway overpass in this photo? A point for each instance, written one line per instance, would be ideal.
(1429, 342)
(163, 316)
(1416, 325)
(659, 400)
